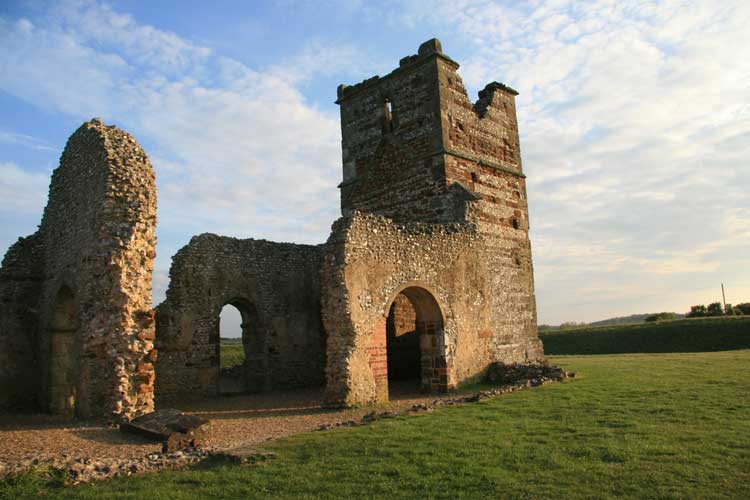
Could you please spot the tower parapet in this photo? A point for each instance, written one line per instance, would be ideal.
(416, 149)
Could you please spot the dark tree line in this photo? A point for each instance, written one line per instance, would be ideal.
(662, 316)
(715, 309)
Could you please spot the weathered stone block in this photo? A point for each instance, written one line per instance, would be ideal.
(173, 428)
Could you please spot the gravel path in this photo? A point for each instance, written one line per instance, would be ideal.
(235, 421)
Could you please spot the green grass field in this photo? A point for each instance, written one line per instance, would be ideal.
(641, 426)
(231, 355)
(687, 335)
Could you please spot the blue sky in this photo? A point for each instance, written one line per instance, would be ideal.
(634, 121)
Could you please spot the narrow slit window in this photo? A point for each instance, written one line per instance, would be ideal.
(388, 122)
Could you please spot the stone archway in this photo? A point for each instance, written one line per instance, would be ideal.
(64, 348)
(252, 375)
(422, 343)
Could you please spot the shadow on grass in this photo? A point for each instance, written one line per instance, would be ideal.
(692, 335)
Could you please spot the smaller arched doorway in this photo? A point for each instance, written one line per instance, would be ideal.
(402, 346)
(64, 366)
(241, 352)
(414, 337)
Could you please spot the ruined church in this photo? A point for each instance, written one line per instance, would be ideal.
(427, 275)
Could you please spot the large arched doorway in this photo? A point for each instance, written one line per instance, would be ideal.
(415, 343)
(241, 349)
(64, 365)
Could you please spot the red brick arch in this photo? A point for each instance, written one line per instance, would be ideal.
(430, 327)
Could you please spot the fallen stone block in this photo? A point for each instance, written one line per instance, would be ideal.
(175, 429)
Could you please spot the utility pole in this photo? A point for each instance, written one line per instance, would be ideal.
(723, 297)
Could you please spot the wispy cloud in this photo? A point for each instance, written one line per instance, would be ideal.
(237, 150)
(24, 140)
(635, 137)
(635, 123)
(242, 146)
(22, 192)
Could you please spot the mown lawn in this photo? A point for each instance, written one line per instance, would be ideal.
(646, 426)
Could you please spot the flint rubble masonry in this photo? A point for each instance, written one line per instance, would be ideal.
(434, 213)
(76, 324)
(434, 205)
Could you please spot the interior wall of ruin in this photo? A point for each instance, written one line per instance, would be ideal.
(83, 282)
(20, 287)
(277, 283)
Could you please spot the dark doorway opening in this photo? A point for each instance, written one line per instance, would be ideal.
(402, 341)
(415, 343)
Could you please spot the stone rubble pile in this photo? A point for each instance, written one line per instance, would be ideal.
(245, 455)
(83, 470)
(536, 374)
(511, 378)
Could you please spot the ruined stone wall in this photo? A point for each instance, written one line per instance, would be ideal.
(441, 180)
(483, 150)
(435, 152)
(94, 325)
(485, 131)
(20, 287)
(275, 286)
(371, 259)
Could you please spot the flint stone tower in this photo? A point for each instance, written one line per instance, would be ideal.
(434, 234)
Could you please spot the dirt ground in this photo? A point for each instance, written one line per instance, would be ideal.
(236, 421)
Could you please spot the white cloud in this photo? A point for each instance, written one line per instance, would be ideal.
(635, 134)
(236, 150)
(22, 192)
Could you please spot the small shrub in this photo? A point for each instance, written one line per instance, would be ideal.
(698, 311)
(714, 309)
(568, 325)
